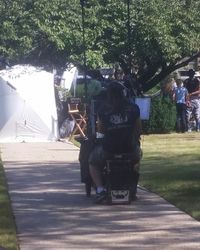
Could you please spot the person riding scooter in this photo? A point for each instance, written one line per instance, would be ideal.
(119, 126)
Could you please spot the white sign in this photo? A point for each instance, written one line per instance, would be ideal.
(144, 105)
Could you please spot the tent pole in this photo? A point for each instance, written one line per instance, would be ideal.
(128, 36)
(82, 2)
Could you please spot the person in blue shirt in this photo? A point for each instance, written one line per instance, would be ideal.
(180, 96)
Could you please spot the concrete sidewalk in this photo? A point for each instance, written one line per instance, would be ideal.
(52, 211)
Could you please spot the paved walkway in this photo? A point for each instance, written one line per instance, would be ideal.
(52, 212)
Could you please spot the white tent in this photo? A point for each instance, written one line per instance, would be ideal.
(69, 77)
(27, 105)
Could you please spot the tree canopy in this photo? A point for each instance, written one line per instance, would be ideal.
(156, 38)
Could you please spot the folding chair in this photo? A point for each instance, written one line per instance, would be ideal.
(79, 117)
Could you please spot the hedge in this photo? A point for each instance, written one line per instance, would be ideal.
(162, 116)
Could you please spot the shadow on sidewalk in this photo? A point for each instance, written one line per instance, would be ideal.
(50, 205)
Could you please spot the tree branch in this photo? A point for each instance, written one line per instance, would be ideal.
(165, 72)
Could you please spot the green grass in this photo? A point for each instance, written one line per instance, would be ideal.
(75, 142)
(8, 238)
(171, 168)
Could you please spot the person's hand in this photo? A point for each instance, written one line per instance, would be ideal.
(99, 140)
(188, 103)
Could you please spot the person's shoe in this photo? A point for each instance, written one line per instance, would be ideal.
(189, 130)
(100, 197)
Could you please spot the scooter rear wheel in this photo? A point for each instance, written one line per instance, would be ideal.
(88, 188)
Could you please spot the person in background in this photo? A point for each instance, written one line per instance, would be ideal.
(192, 84)
(180, 97)
(119, 126)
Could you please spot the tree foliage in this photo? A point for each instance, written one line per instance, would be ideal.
(159, 37)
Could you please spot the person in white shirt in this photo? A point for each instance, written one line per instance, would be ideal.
(192, 84)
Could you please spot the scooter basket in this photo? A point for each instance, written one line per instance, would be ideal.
(119, 174)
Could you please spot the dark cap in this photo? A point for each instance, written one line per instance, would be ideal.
(191, 72)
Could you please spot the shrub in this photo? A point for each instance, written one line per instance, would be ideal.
(162, 116)
(93, 88)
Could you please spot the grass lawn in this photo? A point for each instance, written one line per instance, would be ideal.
(8, 239)
(171, 168)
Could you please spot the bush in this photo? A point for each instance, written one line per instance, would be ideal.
(162, 117)
(93, 88)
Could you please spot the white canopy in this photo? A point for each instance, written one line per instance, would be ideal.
(69, 77)
(27, 105)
